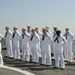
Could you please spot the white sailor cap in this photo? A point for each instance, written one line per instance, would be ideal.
(55, 27)
(67, 28)
(7, 27)
(24, 28)
(15, 27)
(28, 25)
(36, 27)
(46, 27)
(43, 28)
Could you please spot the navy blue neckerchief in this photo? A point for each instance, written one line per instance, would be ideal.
(28, 31)
(6, 34)
(13, 34)
(57, 39)
(43, 36)
(32, 37)
(23, 34)
(66, 34)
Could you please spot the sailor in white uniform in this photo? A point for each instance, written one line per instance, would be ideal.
(34, 40)
(54, 35)
(1, 59)
(40, 35)
(8, 39)
(25, 45)
(16, 39)
(47, 28)
(68, 46)
(59, 40)
(29, 31)
(46, 50)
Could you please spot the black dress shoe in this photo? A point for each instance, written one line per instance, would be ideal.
(41, 64)
(55, 67)
(7, 57)
(66, 61)
(62, 68)
(19, 59)
(11, 58)
(31, 62)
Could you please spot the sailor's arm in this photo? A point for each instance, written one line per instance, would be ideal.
(64, 40)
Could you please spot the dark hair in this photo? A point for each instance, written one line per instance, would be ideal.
(58, 32)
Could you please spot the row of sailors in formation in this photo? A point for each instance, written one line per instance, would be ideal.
(31, 45)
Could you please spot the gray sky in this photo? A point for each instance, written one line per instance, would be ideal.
(20, 13)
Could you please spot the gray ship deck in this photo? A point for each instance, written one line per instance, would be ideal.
(36, 69)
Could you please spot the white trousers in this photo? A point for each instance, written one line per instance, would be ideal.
(35, 56)
(46, 54)
(9, 50)
(68, 53)
(54, 50)
(16, 51)
(25, 53)
(59, 58)
(1, 59)
(39, 49)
